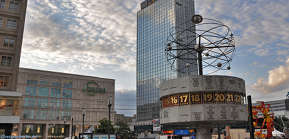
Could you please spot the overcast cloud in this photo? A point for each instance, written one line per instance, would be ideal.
(98, 38)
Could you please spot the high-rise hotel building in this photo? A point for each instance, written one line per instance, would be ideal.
(155, 21)
(12, 18)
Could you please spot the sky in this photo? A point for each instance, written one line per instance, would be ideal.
(98, 38)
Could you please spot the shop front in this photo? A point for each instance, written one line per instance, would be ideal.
(37, 131)
(179, 134)
(58, 131)
(9, 115)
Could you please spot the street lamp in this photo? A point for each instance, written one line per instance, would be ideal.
(109, 106)
(72, 128)
(83, 115)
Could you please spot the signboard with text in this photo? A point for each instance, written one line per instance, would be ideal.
(92, 88)
(201, 98)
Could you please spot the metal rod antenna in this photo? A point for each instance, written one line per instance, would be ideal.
(200, 57)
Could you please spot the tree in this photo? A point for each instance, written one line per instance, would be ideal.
(105, 127)
(123, 130)
(278, 124)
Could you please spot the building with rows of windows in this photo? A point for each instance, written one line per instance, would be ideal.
(155, 21)
(12, 18)
(279, 107)
(50, 100)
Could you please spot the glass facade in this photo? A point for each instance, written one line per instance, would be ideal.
(155, 21)
(43, 102)
(43, 91)
(29, 102)
(67, 93)
(30, 91)
(28, 114)
(55, 92)
(50, 100)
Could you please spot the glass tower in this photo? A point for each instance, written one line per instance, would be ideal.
(155, 21)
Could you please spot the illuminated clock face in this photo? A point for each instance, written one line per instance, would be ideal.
(202, 98)
(196, 98)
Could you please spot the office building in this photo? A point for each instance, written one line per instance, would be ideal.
(123, 119)
(155, 21)
(279, 107)
(12, 18)
(52, 99)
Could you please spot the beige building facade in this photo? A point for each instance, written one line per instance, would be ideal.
(50, 100)
(12, 18)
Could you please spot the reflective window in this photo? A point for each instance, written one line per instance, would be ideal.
(154, 24)
(8, 43)
(30, 91)
(11, 23)
(4, 81)
(1, 21)
(43, 82)
(54, 103)
(31, 82)
(43, 102)
(28, 114)
(51, 115)
(43, 91)
(55, 92)
(67, 93)
(65, 115)
(57, 103)
(13, 5)
(57, 114)
(2, 4)
(6, 60)
(29, 102)
(41, 115)
(56, 84)
(66, 104)
(67, 85)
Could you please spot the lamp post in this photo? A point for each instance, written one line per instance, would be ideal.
(252, 130)
(109, 106)
(83, 115)
(71, 127)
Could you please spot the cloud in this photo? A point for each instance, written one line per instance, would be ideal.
(278, 79)
(91, 33)
(125, 102)
(261, 26)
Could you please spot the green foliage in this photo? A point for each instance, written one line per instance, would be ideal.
(105, 127)
(278, 124)
(123, 130)
(122, 126)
